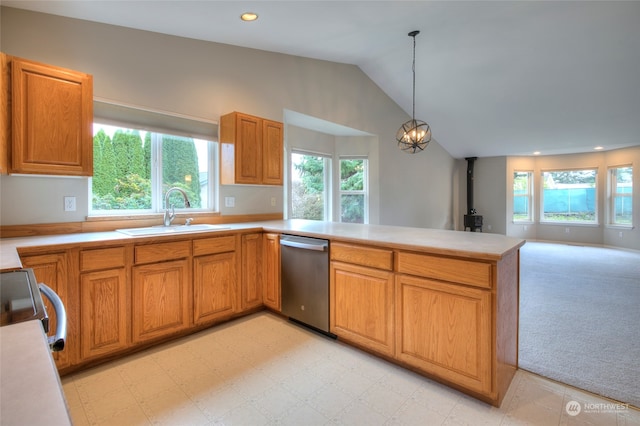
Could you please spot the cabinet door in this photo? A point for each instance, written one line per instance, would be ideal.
(104, 315)
(272, 152)
(445, 330)
(214, 287)
(362, 301)
(52, 118)
(161, 299)
(5, 113)
(51, 269)
(271, 290)
(251, 293)
(248, 149)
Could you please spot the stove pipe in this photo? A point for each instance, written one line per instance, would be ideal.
(472, 220)
(470, 161)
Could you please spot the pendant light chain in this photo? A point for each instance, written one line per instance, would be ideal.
(413, 68)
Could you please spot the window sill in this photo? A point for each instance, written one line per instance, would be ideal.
(581, 224)
(622, 227)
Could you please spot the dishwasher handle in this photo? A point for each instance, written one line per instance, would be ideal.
(317, 246)
(56, 343)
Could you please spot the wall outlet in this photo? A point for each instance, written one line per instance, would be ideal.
(526, 228)
(229, 201)
(566, 230)
(488, 227)
(620, 234)
(273, 201)
(69, 204)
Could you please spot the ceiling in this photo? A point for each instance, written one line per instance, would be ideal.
(492, 78)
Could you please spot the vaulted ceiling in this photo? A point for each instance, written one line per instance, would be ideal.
(492, 78)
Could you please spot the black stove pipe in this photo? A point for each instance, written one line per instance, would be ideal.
(470, 161)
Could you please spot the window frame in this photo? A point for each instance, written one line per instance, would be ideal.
(613, 195)
(364, 191)
(529, 196)
(159, 123)
(544, 221)
(327, 181)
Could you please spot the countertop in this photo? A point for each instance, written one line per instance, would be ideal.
(475, 245)
(30, 390)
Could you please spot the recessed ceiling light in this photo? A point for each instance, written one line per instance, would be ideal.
(598, 148)
(536, 153)
(249, 16)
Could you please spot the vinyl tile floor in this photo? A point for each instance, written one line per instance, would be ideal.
(264, 370)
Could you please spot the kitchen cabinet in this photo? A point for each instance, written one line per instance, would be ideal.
(52, 119)
(214, 278)
(251, 281)
(52, 270)
(104, 301)
(5, 113)
(362, 296)
(162, 297)
(271, 290)
(252, 150)
(445, 330)
(457, 320)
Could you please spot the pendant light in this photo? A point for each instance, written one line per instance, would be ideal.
(414, 135)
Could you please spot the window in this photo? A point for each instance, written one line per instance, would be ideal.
(569, 196)
(621, 195)
(522, 196)
(310, 184)
(353, 190)
(139, 154)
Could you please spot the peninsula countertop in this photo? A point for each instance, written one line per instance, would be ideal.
(477, 245)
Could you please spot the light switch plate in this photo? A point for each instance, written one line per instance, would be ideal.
(229, 201)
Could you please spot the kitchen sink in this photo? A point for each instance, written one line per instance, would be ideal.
(173, 229)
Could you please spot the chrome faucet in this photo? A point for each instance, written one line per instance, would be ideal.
(169, 209)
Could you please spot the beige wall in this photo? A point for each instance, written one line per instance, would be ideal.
(203, 79)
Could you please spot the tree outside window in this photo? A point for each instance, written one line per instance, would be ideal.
(353, 190)
(522, 196)
(126, 175)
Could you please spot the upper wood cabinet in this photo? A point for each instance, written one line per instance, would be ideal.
(251, 150)
(5, 113)
(52, 117)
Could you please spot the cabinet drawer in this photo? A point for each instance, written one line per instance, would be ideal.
(162, 251)
(105, 258)
(360, 255)
(214, 245)
(441, 268)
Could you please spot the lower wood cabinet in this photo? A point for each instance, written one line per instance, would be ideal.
(445, 330)
(363, 308)
(161, 299)
(214, 287)
(251, 284)
(271, 289)
(52, 270)
(104, 312)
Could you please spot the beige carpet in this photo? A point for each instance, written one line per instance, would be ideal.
(580, 317)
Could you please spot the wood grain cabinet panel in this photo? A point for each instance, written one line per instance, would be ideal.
(445, 330)
(251, 285)
(251, 150)
(362, 306)
(161, 299)
(52, 118)
(214, 287)
(52, 270)
(272, 285)
(5, 113)
(459, 271)
(104, 312)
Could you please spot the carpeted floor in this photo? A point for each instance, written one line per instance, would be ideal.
(580, 317)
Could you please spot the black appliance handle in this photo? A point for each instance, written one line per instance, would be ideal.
(56, 343)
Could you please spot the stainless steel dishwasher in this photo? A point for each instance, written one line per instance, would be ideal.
(305, 280)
